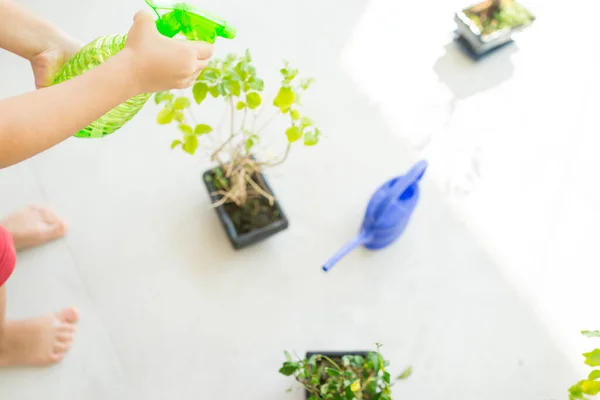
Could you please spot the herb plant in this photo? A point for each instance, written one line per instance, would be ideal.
(234, 81)
(350, 378)
(496, 15)
(590, 386)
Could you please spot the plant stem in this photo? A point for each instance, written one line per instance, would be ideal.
(231, 133)
(232, 115)
(220, 149)
(192, 116)
(243, 126)
(285, 156)
(267, 123)
(332, 363)
(270, 198)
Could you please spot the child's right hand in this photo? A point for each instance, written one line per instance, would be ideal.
(159, 63)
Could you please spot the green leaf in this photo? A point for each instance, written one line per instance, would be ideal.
(200, 91)
(311, 138)
(181, 103)
(592, 358)
(305, 83)
(165, 116)
(232, 87)
(251, 70)
(292, 73)
(288, 356)
(231, 57)
(357, 361)
(349, 393)
(295, 114)
(178, 116)
(372, 387)
(209, 74)
(285, 98)
(373, 358)
(293, 134)
(253, 99)
(332, 372)
(590, 387)
(289, 368)
(240, 70)
(163, 97)
(595, 374)
(256, 84)
(186, 129)
(407, 372)
(202, 129)
(222, 89)
(575, 391)
(240, 105)
(191, 144)
(386, 377)
(175, 143)
(305, 121)
(214, 91)
(250, 142)
(591, 334)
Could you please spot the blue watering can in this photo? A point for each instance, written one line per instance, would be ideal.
(387, 215)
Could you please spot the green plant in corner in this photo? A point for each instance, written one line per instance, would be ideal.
(495, 15)
(591, 385)
(234, 80)
(351, 377)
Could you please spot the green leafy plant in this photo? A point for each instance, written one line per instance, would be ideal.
(590, 386)
(350, 377)
(495, 15)
(234, 80)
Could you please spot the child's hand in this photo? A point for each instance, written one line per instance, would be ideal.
(160, 63)
(48, 62)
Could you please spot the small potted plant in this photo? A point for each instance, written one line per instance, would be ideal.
(591, 385)
(343, 375)
(491, 24)
(243, 199)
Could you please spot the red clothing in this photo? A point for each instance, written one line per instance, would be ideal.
(8, 255)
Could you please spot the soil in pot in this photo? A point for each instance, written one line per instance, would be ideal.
(255, 213)
(493, 16)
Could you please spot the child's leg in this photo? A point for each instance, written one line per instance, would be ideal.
(39, 341)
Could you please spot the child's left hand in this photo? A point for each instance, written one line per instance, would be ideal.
(47, 63)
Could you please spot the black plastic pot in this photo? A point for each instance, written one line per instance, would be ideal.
(333, 354)
(240, 241)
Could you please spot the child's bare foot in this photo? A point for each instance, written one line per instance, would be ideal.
(38, 342)
(34, 226)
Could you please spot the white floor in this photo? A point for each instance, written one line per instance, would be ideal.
(484, 296)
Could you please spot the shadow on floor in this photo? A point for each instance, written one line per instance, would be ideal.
(465, 78)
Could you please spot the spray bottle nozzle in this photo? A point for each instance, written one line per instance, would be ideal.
(191, 22)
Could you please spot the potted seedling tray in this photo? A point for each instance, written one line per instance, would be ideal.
(490, 25)
(255, 221)
(343, 375)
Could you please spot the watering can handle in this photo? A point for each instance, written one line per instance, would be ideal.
(403, 183)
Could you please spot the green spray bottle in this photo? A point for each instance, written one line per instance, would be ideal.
(173, 19)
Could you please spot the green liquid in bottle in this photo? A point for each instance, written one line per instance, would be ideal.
(90, 56)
